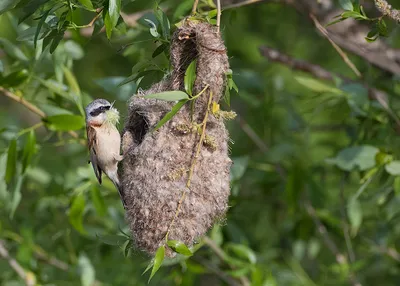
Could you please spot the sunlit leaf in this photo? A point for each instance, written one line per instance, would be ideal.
(64, 122)
(316, 85)
(87, 270)
(346, 4)
(393, 168)
(153, 28)
(158, 259)
(112, 15)
(362, 157)
(179, 247)
(11, 161)
(242, 251)
(173, 95)
(170, 114)
(355, 214)
(190, 77)
(29, 150)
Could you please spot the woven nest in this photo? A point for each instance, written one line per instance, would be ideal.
(156, 164)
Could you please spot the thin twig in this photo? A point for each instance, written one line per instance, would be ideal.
(218, 14)
(13, 263)
(337, 48)
(340, 258)
(221, 255)
(319, 72)
(196, 2)
(30, 106)
(189, 180)
(21, 100)
(386, 9)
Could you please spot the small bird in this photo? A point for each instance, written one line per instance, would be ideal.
(104, 140)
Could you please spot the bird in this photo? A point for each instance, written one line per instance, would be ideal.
(104, 141)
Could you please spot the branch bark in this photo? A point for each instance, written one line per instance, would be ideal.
(319, 72)
(28, 279)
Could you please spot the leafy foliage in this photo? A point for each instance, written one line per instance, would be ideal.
(298, 142)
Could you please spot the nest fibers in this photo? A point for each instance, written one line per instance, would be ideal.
(156, 164)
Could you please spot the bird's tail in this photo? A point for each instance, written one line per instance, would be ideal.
(114, 178)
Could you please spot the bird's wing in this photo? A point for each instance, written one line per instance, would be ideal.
(92, 142)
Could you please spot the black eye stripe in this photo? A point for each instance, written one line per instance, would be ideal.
(99, 110)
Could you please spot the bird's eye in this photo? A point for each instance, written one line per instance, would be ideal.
(107, 107)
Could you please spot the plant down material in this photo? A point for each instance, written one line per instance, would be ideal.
(157, 164)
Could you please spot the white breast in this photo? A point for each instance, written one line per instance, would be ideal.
(108, 145)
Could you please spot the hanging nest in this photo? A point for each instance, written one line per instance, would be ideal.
(157, 164)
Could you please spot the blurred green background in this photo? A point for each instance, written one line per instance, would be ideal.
(315, 194)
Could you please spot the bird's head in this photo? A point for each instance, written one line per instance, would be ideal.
(101, 111)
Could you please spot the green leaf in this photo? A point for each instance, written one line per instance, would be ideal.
(56, 41)
(346, 4)
(128, 245)
(354, 212)
(17, 196)
(170, 114)
(190, 77)
(153, 28)
(158, 259)
(39, 26)
(317, 86)
(64, 122)
(362, 157)
(111, 16)
(12, 50)
(11, 161)
(242, 251)
(87, 271)
(164, 22)
(159, 50)
(98, 201)
(29, 150)
(393, 168)
(173, 95)
(15, 78)
(238, 167)
(76, 213)
(6, 5)
(112, 239)
(179, 247)
(87, 3)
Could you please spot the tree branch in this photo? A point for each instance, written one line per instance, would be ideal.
(30, 106)
(319, 72)
(386, 9)
(28, 279)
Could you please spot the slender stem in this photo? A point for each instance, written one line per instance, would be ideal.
(21, 100)
(196, 2)
(26, 130)
(189, 180)
(337, 48)
(31, 107)
(218, 14)
(12, 262)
